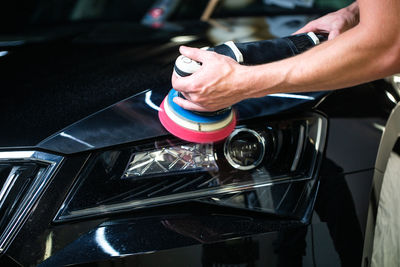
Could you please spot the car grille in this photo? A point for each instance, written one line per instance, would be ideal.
(23, 177)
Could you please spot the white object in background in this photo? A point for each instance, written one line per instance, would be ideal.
(386, 250)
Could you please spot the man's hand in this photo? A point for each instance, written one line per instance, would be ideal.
(334, 23)
(214, 86)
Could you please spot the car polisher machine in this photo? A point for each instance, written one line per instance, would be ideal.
(208, 127)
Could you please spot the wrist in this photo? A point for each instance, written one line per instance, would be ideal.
(260, 80)
(242, 81)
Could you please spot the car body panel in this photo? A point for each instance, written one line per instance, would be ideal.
(77, 95)
(119, 123)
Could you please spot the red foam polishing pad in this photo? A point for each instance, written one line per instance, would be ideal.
(191, 135)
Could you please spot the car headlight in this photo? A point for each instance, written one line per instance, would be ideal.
(258, 157)
(171, 159)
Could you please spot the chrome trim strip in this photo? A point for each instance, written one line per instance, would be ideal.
(42, 179)
(12, 155)
(9, 183)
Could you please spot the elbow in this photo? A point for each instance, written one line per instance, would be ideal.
(391, 59)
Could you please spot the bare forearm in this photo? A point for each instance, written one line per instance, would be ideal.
(361, 54)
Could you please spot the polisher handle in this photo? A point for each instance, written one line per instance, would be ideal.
(185, 66)
(266, 51)
(252, 53)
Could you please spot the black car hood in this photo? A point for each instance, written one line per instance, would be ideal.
(136, 118)
(46, 87)
(55, 95)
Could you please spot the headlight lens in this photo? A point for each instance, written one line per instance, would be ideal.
(173, 159)
(261, 166)
(244, 149)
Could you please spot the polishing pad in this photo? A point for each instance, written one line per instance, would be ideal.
(192, 126)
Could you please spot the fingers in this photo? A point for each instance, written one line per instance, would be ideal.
(309, 27)
(186, 96)
(193, 53)
(188, 105)
(299, 31)
(181, 84)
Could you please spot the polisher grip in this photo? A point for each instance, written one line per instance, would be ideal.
(185, 66)
(266, 51)
(253, 53)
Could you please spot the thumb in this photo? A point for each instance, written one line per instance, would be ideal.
(309, 27)
(193, 53)
(186, 104)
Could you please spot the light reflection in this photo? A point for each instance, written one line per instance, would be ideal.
(3, 53)
(12, 43)
(104, 244)
(63, 134)
(379, 127)
(391, 97)
(16, 155)
(183, 38)
(396, 78)
(149, 102)
(305, 97)
(48, 246)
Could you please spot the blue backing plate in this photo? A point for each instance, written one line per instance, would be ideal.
(190, 116)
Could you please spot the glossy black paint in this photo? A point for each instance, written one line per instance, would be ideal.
(62, 91)
(195, 227)
(357, 116)
(119, 123)
(145, 235)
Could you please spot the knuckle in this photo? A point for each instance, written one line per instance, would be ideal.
(195, 98)
(195, 86)
(211, 55)
(191, 87)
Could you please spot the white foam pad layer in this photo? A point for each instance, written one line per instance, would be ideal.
(195, 126)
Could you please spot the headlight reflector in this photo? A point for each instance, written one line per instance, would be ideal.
(244, 149)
